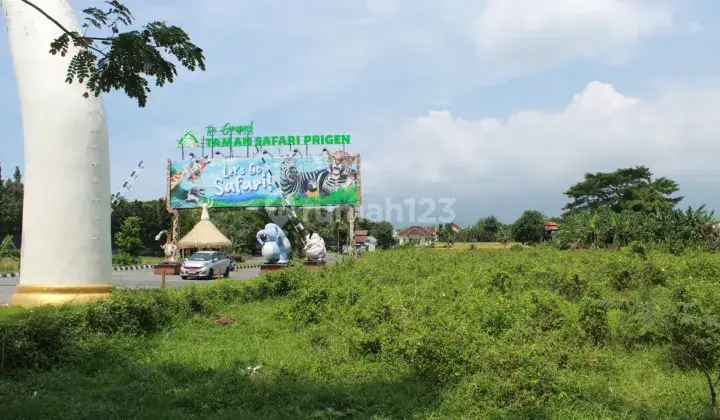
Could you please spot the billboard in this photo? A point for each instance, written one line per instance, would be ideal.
(305, 181)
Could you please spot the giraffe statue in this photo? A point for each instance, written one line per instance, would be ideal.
(172, 237)
(169, 248)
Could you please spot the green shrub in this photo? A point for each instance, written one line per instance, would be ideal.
(621, 279)
(594, 318)
(486, 334)
(125, 260)
(239, 257)
(516, 248)
(501, 281)
(545, 311)
(50, 336)
(637, 248)
(570, 285)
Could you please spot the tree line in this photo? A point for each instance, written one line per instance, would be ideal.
(605, 210)
(11, 196)
(608, 210)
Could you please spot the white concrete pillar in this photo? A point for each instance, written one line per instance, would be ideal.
(66, 241)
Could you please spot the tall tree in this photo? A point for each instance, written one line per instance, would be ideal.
(128, 239)
(504, 235)
(530, 227)
(11, 207)
(383, 232)
(624, 189)
(240, 226)
(365, 224)
(488, 228)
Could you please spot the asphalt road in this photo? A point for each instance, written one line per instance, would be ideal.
(146, 278)
(140, 278)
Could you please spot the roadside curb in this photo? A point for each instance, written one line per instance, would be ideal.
(136, 268)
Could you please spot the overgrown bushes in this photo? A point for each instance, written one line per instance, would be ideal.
(47, 337)
(494, 334)
(671, 230)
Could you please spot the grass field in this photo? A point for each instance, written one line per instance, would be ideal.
(536, 334)
(151, 260)
(478, 245)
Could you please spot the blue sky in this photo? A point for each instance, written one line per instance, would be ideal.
(498, 104)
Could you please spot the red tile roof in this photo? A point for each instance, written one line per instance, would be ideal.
(551, 226)
(360, 236)
(417, 231)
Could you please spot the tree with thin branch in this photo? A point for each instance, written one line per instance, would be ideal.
(123, 60)
(694, 332)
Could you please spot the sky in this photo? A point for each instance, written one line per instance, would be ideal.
(493, 106)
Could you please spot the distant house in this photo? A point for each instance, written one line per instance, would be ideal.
(360, 236)
(455, 228)
(418, 235)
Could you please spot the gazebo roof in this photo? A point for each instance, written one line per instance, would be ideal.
(551, 226)
(204, 235)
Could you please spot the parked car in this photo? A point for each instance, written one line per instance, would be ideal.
(206, 264)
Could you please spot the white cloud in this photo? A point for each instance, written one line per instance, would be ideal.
(381, 7)
(517, 35)
(425, 39)
(674, 132)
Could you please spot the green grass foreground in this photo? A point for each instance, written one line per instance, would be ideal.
(410, 333)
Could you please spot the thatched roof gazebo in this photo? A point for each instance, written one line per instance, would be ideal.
(204, 235)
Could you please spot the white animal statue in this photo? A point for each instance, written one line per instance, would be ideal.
(205, 215)
(275, 245)
(315, 247)
(169, 248)
(371, 243)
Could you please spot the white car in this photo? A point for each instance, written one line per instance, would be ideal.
(206, 264)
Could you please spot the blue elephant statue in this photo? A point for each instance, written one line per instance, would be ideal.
(275, 245)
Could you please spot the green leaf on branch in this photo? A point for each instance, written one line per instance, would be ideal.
(124, 60)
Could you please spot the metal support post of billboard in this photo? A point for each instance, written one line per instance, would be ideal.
(126, 186)
(294, 219)
(168, 206)
(352, 250)
(359, 184)
(352, 212)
